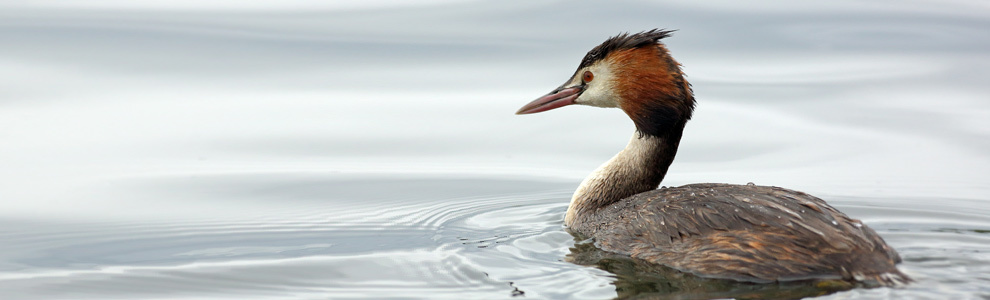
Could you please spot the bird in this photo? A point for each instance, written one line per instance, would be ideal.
(740, 232)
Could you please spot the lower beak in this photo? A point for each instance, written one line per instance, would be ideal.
(557, 98)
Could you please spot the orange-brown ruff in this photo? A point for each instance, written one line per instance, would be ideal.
(742, 232)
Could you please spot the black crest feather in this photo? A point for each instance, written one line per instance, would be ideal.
(624, 41)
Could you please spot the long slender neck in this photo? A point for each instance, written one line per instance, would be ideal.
(638, 168)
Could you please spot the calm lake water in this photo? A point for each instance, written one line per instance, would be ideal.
(368, 149)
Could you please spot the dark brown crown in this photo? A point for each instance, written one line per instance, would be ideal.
(623, 41)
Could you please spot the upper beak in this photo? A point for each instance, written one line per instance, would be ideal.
(560, 97)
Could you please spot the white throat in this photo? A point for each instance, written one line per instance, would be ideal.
(632, 171)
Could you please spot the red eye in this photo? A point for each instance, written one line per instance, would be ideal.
(587, 76)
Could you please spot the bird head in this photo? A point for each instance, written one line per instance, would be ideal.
(633, 72)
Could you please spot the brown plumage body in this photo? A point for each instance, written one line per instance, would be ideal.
(740, 232)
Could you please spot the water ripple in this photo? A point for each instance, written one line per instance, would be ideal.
(441, 236)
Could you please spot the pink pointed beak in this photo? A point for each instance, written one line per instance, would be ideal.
(558, 98)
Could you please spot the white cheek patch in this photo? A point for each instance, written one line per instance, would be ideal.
(599, 91)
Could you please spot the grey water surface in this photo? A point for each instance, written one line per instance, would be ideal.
(368, 149)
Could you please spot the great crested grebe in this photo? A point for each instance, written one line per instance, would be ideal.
(740, 232)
